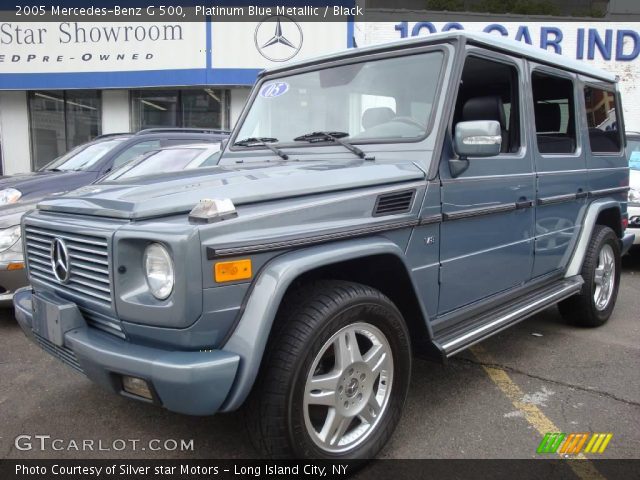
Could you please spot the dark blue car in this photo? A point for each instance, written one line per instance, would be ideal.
(79, 167)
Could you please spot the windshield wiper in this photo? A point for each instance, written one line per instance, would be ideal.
(262, 142)
(333, 137)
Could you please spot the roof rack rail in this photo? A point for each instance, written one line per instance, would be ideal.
(107, 135)
(183, 130)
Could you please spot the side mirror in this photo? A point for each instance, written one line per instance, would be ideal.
(223, 143)
(480, 138)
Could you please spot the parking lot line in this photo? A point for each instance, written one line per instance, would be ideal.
(584, 469)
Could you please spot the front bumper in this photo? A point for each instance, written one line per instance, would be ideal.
(10, 281)
(189, 382)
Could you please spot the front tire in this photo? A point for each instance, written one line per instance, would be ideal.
(335, 375)
(594, 304)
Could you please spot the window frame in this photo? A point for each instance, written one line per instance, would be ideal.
(578, 107)
(362, 58)
(497, 57)
(619, 117)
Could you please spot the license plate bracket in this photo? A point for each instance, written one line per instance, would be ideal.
(53, 317)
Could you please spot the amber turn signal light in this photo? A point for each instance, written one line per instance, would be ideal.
(233, 271)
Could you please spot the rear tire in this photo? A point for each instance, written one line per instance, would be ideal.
(334, 377)
(594, 304)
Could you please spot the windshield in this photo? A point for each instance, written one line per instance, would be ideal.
(161, 161)
(389, 99)
(633, 153)
(83, 158)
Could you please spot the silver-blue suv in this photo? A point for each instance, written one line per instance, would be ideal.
(414, 196)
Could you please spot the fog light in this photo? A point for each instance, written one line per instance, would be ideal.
(235, 270)
(136, 386)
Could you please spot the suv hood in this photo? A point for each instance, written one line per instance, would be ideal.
(180, 192)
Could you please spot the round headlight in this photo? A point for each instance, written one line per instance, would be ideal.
(9, 195)
(158, 268)
(8, 237)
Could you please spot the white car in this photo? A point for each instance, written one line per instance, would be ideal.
(633, 207)
(165, 160)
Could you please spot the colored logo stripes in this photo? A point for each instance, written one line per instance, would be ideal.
(572, 443)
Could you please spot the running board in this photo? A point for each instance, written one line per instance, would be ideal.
(494, 321)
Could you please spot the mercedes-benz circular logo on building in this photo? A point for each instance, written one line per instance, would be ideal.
(60, 260)
(278, 40)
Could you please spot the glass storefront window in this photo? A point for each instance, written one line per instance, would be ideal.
(59, 120)
(155, 108)
(190, 108)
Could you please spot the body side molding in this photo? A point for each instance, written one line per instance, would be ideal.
(608, 191)
(250, 336)
(213, 253)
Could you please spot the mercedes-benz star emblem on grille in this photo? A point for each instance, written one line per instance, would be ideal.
(60, 260)
(281, 43)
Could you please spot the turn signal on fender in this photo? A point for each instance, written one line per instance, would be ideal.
(233, 271)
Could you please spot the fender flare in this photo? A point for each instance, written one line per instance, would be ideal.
(589, 223)
(250, 336)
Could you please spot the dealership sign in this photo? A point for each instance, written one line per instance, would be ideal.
(49, 47)
(592, 41)
(38, 55)
(620, 44)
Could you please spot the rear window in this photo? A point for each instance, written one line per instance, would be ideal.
(602, 120)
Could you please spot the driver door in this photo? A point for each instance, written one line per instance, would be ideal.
(487, 230)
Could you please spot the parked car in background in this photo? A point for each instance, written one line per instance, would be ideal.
(633, 154)
(80, 166)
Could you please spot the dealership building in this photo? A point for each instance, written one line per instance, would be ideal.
(63, 83)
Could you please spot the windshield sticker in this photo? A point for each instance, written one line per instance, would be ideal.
(634, 160)
(274, 89)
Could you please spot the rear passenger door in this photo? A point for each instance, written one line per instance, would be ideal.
(560, 165)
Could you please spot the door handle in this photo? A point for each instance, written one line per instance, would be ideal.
(581, 194)
(523, 203)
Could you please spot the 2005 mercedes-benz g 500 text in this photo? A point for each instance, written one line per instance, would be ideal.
(414, 196)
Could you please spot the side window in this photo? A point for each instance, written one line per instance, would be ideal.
(555, 113)
(134, 151)
(602, 120)
(489, 91)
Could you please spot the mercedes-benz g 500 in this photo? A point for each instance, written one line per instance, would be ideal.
(413, 196)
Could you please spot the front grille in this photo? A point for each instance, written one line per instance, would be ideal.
(89, 276)
(64, 354)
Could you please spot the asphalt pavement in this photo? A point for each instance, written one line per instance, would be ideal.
(491, 402)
